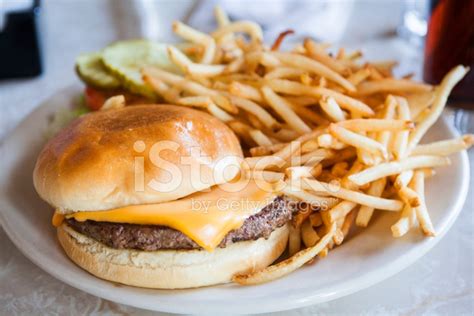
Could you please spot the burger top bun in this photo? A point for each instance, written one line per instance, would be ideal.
(135, 155)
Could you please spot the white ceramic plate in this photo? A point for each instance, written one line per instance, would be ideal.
(368, 257)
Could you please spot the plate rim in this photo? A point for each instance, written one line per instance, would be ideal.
(354, 285)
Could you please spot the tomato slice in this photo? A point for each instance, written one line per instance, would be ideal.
(94, 98)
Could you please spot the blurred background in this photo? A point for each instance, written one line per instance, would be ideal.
(39, 41)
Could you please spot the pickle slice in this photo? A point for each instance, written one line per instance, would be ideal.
(125, 60)
(90, 68)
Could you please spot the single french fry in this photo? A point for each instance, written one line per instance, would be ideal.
(385, 85)
(418, 184)
(280, 38)
(348, 222)
(221, 16)
(406, 221)
(309, 236)
(294, 240)
(400, 140)
(113, 103)
(441, 96)
(219, 113)
(396, 167)
(260, 138)
(445, 147)
(377, 125)
(385, 137)
(197, 101)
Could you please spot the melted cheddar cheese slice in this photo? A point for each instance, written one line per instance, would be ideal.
(205, 217)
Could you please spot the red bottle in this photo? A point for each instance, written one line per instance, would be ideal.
(450, 42)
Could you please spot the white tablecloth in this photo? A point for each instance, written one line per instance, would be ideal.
(440, 283)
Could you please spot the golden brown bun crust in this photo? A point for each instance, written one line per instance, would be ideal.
(171, 269)
(90, 164)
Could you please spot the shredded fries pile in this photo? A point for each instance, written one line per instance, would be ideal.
(353, 125)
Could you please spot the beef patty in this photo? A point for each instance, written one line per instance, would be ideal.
(154, 237)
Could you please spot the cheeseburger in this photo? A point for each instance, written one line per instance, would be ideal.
(150, 196)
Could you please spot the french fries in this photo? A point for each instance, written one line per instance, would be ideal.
(318, 54)
(283, 108)
(338, 135)
(197, 37)
(248, 27)
(308, 64)
(358, 140)
(294, 88)
(189, 67)
(332, 109)
(353, 196)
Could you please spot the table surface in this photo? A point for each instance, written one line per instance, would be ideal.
(439, 283)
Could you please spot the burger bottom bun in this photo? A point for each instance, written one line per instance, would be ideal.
(171, 269)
